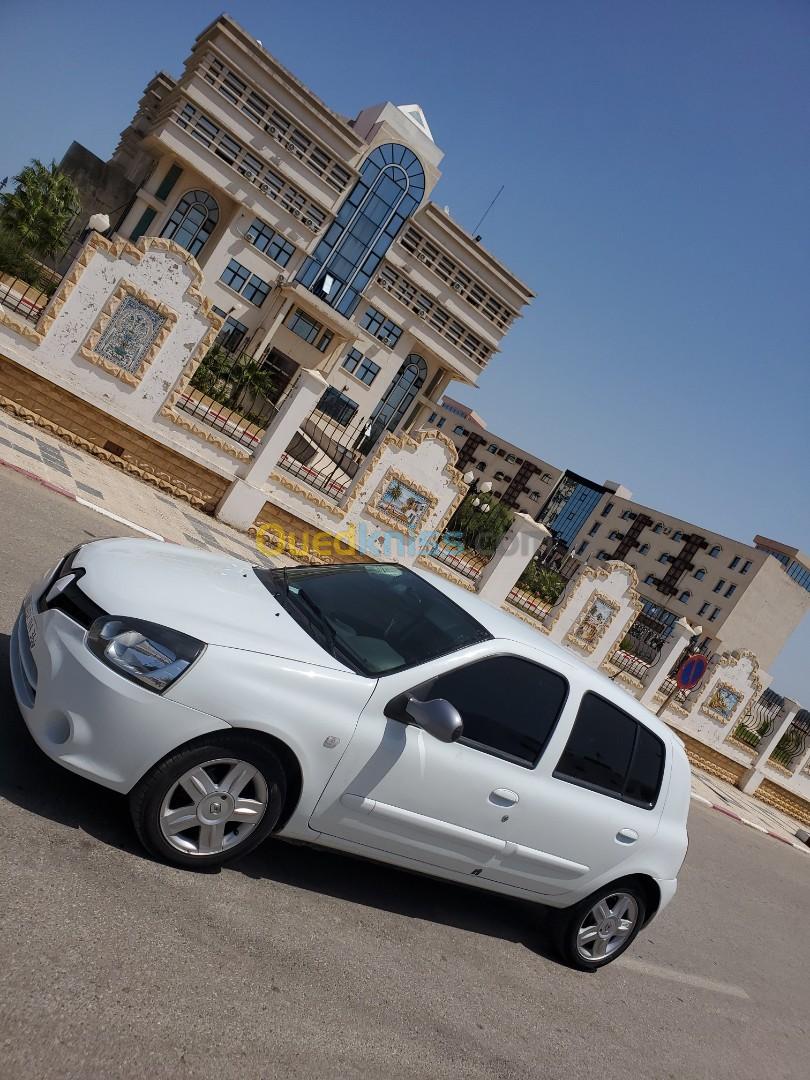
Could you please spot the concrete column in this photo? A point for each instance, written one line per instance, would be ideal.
(518, 545)
(669, 655)
(244, 499)
(753, 777)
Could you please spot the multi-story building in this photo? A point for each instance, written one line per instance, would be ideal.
(519, 479)
(315, 234)
(743, 596)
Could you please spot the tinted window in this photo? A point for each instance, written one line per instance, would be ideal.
(376, 618)
(509, 706)
(609, 751)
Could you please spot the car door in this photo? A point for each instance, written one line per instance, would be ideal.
(450, 805)
(592, 804)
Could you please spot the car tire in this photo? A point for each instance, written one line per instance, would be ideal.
(210, 802)
(596, 931)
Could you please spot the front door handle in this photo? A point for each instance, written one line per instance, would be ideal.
(627, 836)
(502, 796)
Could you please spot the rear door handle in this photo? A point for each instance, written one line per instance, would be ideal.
(502, 796)
(627, 836)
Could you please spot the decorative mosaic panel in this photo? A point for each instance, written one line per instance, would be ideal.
(592, 623)
(723, 701)
(130, 334)
(401, 503)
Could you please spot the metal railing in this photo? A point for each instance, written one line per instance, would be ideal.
(450, 551)
(794, 742)
(23, 298)
(529, 602)
(237, 394)
(331, 445)
(758, 720)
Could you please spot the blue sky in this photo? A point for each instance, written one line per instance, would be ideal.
(656, 167)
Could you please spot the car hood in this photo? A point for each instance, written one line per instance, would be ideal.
(216, 598)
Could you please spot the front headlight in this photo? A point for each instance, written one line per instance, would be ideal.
(149, 654)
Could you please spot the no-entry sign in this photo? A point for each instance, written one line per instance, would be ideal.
(692, 671)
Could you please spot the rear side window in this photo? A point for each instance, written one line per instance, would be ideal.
(509, 705)
(610, 752)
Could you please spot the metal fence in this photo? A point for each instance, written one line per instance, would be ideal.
(758, 720)
(450, 550)
(23, 298)
(331, 444)
(237, 393)
(530, 602)
(794, 742)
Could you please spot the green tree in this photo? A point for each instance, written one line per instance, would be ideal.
(542, 581)
(481, 531)
(35, 216)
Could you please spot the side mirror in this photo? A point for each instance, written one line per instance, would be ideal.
(437, 717)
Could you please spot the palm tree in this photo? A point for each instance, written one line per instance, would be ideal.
(36, 215)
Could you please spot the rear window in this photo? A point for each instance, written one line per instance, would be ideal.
(610, 752)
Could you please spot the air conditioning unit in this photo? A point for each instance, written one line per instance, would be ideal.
(457, 286)
(271, 130)
(423, 257)
(263, 187)
(295, 212)
(384, 283)
(250, 239)
(308, 222)
(422, 313)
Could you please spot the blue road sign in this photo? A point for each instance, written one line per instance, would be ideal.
(692, 671)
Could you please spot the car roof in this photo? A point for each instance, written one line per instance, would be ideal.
(508, 627)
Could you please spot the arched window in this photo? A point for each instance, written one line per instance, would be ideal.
(685, 597)
(193, 221)
(659, 528)
(644, 549)
(400, 394)
(649, 579)
(700, 574)
(391, 186)
(715, 551)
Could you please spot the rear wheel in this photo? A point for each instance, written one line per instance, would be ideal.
(209, 803)
(598, 930)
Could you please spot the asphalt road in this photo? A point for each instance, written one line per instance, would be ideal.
(304, 964)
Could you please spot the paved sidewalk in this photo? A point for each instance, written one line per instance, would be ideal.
(109, 491)
(710, 791)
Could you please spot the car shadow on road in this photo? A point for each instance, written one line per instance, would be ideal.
(33, 782)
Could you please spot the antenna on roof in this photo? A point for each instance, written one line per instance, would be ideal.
(478, 226)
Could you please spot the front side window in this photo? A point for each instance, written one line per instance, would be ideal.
(337, 405)
(715, 552)
(610, 752)
(735, 562)
(383, 328)
(700, 574)
(377, 618)
(192, 222)
(509, 706)
(250, 286)
(365, 370)
(390, 188)
(269, 242)
(303, 325)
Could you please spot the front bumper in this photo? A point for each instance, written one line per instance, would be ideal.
(84, 715)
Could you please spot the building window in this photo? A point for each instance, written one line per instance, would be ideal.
(324, 341)
(534, 496)
(432, 417)
(459, 430)
(700, 574)
(546, 478)
(746, 566)
(719, 585)
(511, 459)
(194, 219)
(168, 182)
(664, 557)
(250, 286)
(337, 405)
(644, 549)
(481, 466)
(233, 332)
(602, 555)
(401, 393)
(628, 515)
(607, 509)
(735, 562)
(676, 536)
(582, 547)
(366, 370)
(492, 448)
(268, 241)
(715, 551)
(649, 579)
(594, 529)
(390, 188)
(685, 597)
(441, 421)
(304, 325)
(731, 590)
(659, 528)
(143, 223)
(714, 614)
(383, 328)
(704, 608)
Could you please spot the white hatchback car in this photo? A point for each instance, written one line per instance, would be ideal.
(363, 707)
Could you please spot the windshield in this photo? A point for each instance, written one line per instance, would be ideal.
(376, 618)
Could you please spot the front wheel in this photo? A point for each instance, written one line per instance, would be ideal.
(597, 931)
(209, 803)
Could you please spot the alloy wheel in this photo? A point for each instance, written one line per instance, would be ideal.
(213, 806)
(607, 926)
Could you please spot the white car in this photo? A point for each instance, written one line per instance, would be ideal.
(362, 707)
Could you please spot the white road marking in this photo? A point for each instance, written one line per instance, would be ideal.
(753, 825)
(698, 981)
(118, 518)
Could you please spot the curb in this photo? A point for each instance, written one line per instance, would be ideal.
(744, 821)
(82, 502)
